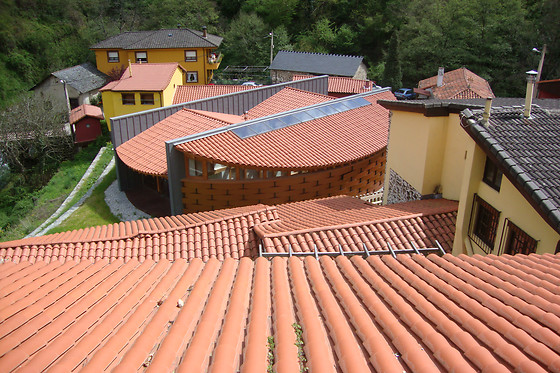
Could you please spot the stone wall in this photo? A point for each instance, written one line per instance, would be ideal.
(400, 190)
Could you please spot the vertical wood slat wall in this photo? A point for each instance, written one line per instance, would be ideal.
(357, 178)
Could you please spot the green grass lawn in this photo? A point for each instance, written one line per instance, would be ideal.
(94, 211)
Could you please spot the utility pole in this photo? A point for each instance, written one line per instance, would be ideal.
(271, 34)
(539, 70)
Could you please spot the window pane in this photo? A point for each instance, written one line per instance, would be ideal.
(251, 174)
(221, 172)
(128, 99)
(492, 175)
(195, 167)
(147, 98)
(141, 57)
(192, 77)
(113, 56)
(190, 55)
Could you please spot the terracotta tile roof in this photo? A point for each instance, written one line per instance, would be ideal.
(328, 141)
(287, 99)
(145, 77)
(145, 152)
(412, 313)
(527, 150)
(220, 234)
(350, 223)
(458, 84)
(340, 84)
(83, 111)
(186, 93)
(237, 232)
(160, 39)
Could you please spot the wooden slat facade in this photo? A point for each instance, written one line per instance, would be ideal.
(357, 178)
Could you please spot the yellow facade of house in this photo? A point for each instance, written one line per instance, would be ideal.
(199, 62)
(434, 154)
(117, 103)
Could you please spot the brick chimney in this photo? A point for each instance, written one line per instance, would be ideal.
(204, 33)
(440, 73)
(531, 78)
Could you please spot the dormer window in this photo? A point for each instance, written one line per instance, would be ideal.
(141, 57)
(112, 56)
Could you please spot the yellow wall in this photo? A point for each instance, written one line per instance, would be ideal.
(113, 106)
(201, 66)
(436, 151)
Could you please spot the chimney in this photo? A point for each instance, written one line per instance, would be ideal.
(486, 114)
(440, 73)
(204, 34)
(531, 78)
(129, 68)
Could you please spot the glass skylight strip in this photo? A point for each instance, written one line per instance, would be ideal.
(257, 127)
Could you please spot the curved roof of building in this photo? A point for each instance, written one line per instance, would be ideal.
(186, 93)
(145, 152)
(237, 232)
(384, 314)
(458, 84)
(328, 141)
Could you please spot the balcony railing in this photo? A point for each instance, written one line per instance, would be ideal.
(215, 59)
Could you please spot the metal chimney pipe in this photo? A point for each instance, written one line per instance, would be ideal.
(440, 73)
(204, 33)
(486, 114)
(531, 78)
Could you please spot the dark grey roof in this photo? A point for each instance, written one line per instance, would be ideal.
(160, 39)
(527, 150)
(316, 63)
(433, 107)
(83, 78)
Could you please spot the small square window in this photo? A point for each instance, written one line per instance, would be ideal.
(141, 57)
(190, 56)
(128, 99)
(147, 98)
(192, 77)
(492, 175)
(112, 56)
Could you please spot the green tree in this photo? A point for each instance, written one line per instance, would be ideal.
(392, 75)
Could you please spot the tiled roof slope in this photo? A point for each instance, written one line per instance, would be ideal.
(286, 100)
(384, 314)
(186, 93)
(160, 39)
(324, 142)
(145, 77)
(83, 78)
(458, 84)
(83, 111)
(213, 234)
(340, 84)
(316, 63)
(347, 224)
(145, 152)
(527, 151)
(237, 232)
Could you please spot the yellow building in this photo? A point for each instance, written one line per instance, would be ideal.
(142, 87)
(194, 50)
(439, 149)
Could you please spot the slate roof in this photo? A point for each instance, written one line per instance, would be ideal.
(160, 39)
(83, 111)
(340, 221)
(186, 93)
(526, 150)
(340, 84)
(316, 63)
(83, 78)
(458, 84)
(410, 313)
(145, 77)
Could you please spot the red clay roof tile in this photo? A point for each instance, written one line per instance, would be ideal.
(186, 93)
(458, 84)
(83, 111)
(145, 77)
(340, 84)
(410, 313)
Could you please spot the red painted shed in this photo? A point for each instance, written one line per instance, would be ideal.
(85, 120)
